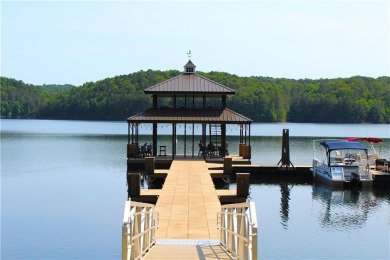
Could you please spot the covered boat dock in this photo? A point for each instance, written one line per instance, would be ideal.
(191, 100)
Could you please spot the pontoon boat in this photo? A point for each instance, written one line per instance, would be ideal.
(342, 163)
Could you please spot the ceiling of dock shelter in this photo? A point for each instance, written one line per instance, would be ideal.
(190, 84)
(171, 115)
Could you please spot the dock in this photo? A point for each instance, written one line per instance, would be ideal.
(188, 220)
(188, 203)
(381, 178)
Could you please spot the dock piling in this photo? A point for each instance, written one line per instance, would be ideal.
(227, 165)
(285, 160)
(133, 184)
(149, 165)
(245, 151)
(243, 185)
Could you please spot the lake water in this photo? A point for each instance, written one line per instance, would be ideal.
(63, 189)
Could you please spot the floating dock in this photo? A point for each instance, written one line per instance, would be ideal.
(262, 173)
(381, 178)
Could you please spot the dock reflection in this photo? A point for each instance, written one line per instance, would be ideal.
(284, 203)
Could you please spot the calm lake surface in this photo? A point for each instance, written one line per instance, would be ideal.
(63, 189)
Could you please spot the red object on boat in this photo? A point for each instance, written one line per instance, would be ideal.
(368, 139)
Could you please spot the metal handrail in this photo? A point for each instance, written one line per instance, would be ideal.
(138, 230)
(238, 229)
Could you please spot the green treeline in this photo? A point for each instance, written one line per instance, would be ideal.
(20, 100)
(263, 99)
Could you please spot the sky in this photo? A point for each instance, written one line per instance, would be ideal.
(73, 42)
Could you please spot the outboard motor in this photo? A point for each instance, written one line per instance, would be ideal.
(355, 179)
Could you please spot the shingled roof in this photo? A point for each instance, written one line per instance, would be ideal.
(189, 84)
(171, 115)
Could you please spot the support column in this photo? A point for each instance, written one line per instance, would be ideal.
(193, 139)
(173, 141)
(223, 140)
(128, 133)
(245, 131)
(185, 140)
(249, 135)
(154, 139)
(136, 133)
(204, 137)
(241, 134)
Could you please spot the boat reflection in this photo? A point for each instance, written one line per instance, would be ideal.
(344, 209)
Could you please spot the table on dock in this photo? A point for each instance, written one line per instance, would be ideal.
(188, 203)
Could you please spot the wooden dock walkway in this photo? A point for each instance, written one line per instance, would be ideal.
(185, 219)
(188, 203)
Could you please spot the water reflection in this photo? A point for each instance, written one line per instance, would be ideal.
(344, 209)
(284, 203)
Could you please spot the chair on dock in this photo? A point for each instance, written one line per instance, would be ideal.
(220, 150)
(149, 150)
(202, 149)
(211, 149)
(144, 150)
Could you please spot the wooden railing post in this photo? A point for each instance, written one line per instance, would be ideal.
(243, 185)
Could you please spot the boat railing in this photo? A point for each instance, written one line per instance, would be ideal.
(365, 172)
(238, 229)
(140, 222)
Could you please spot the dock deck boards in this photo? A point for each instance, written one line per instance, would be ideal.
(188, 203)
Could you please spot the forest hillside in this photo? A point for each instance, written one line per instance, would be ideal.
(263, 99)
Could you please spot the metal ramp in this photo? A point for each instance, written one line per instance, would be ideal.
(187, 249)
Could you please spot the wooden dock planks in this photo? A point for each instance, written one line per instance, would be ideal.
(188, 203)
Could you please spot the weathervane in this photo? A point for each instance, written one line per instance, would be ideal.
(189, 54)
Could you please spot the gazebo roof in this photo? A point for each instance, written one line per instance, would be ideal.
(189, 84)
(171, 115)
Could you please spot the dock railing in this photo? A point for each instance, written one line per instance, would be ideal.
(238, 227)
(138, 230)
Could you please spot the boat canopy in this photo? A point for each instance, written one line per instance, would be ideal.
(331, 145)
(368, 139)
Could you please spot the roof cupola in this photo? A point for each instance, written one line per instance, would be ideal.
(189, 68)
